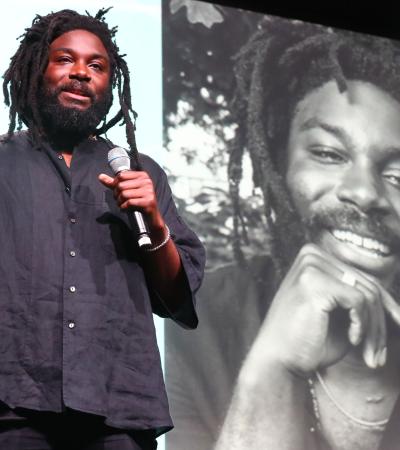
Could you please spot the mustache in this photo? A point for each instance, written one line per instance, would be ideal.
(350, 219)
(76, 85)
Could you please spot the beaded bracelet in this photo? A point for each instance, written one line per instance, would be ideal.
(157, 247)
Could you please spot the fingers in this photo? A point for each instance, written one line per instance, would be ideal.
(337, 294)
(355, 332)
(365, 300)
(367, 320)
(132, 175)
(126, 179)
(137, 183)
(106, 180)
(374, 343)
(140, 195)
(132, 189)
(140, 202)
(391, 306)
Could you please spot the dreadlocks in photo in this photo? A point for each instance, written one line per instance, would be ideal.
(280, 64)
(90, 249)
(302, 344)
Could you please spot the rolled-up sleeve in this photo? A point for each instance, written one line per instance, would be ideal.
(191, 250)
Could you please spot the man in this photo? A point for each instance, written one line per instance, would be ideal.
(80, 366)
(320, 117)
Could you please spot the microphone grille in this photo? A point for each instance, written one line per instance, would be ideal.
(118, 160)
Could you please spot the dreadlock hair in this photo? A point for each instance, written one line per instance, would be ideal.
(24, 75)
(281, 63)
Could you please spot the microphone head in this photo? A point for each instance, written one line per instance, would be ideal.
(118, 160)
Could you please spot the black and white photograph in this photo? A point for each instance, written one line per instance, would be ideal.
(284, 156)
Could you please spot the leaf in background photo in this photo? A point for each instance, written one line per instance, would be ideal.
(198, 12)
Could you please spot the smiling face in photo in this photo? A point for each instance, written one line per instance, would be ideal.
(343, 174)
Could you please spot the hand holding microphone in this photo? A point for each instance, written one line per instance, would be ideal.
(134, 192)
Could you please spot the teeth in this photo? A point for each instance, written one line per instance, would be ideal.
(359, 241)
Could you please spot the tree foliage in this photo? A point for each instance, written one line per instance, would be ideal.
(199, 43)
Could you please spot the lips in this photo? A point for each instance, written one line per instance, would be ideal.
(77, 89)
(77, 92)
(76, 97)
(371, 246)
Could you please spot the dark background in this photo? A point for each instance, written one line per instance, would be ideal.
(372, 17)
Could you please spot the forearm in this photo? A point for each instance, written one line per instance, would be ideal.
(163, 266)
(268, 411)
(164, 270)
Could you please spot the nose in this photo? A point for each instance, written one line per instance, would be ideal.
(79, 71)
(362, 187)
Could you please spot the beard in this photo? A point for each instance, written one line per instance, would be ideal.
(69, 123)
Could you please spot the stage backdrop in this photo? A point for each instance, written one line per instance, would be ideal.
(200, 42)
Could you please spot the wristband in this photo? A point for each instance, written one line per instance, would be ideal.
(166, 239)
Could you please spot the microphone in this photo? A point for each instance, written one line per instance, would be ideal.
(119, 161)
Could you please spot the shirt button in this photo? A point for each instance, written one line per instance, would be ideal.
(71, 324)
(72, 288)
(72, 253)
(72, 220)
(60, 157)
(67, 189)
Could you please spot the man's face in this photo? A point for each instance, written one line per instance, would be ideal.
(76, 91)
(343, 174)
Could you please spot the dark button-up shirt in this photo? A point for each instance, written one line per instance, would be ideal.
(76, 327)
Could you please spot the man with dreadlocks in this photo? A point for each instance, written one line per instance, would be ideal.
(79, 365)
(328, 159)
(319, 113)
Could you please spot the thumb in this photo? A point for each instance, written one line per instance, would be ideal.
(106, 180)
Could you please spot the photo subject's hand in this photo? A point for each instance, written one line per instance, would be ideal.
(323, 308)
(135, 189)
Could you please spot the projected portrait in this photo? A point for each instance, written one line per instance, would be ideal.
(291, 133)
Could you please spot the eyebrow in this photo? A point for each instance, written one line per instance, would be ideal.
(70, 50)
(338, 132)
(391, 152)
